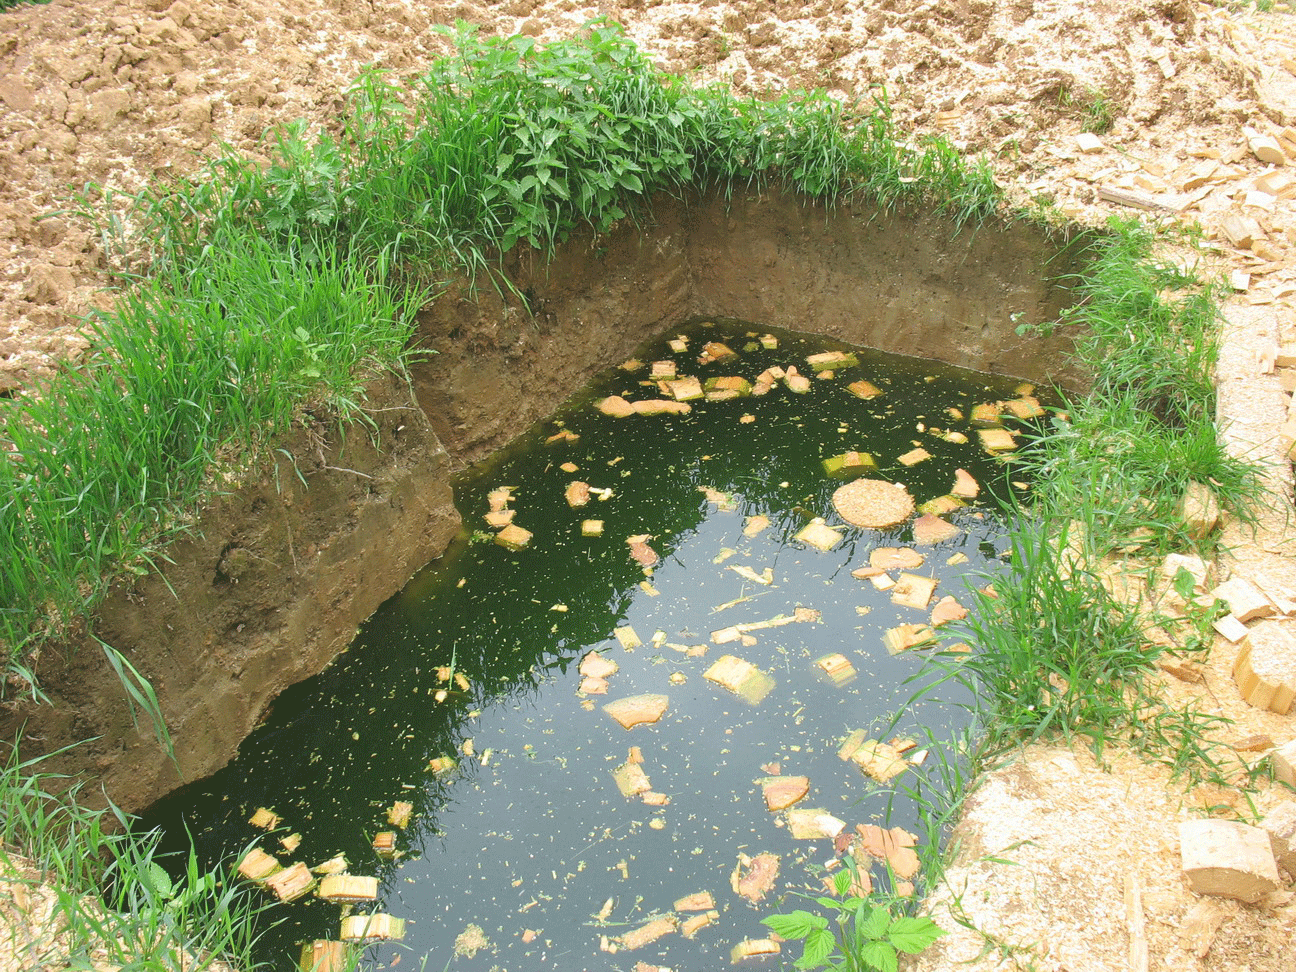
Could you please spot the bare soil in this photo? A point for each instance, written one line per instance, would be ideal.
(119, 93)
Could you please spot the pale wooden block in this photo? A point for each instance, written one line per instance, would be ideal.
(1227, 859)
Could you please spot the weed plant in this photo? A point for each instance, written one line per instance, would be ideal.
(114, 904)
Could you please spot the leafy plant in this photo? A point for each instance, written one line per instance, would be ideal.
(856, 935)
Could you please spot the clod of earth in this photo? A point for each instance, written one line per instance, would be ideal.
(873, 503)
(740, 677)
(637, 710)
(754, 876)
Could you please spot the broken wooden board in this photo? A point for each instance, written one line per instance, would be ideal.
(631, 780)
(906, 636)
(377, 927)
(513, 537)
(837, 668)
(781, 792)
(348, 888)
(754, 877)
(740, 677)
(257, 865)
(638, 710)
(291, 883)
(266, 819)
(322, 955)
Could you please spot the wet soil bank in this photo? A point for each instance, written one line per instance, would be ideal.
(283, 568)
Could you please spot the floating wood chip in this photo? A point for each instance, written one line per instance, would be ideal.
(849, 464)
(947, 609)
(796, 382)
(369, 928)
(662, 370)
(678, 344)
(879, 760)
(348, 888)
(565, 435)
(513, 537)
(832, 361)
(913, 457)
(727, 387)
(873, 503)
(997, 440)
(1026, 407)
(929, 530)
(631, 780)
(384, 843)
(291, 883)
(965, 487)
(941, 505)
(755, 525)
(769, 342)
(577, 494)
(337, 864)
(687, 389)
(895, 558)
(913, 590)
(851, 744)
(753, 948)
(986, 414)
(595, 665)
(266, 819)
(647, 934)
(651, 798)
(324, 956)
(699, 901)
(499, 498)
(439, 765)
(627, 637)
(637, 710)
(837, 667)
(813, 824)
(754, 876)
(257, 865)
(398, 814)
(781, 792)
(819, 535)
(906, 636)
(593, 686)
(740, 677)
(864, 389)
(591, 528)
(291, 842)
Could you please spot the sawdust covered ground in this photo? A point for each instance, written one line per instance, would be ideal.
(120, 92)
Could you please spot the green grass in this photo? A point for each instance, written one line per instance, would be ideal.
(248, 294)
(113, 900)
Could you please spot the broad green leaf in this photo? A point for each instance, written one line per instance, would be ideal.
(795, 925)
(912, 935)
(842, 882)
(880, 955)
(819, 944)
(158, 879)
(876, 924)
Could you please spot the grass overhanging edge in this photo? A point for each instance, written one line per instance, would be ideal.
(345, 235)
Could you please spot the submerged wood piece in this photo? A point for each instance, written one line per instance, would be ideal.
(627, 637)
(377, 927)
(647, 934)
(564, 435)
(638, 710)
(941, 505)
(864, 389)
(497, 519)
(291, 883)
(781, 792)
(756, 525)
(1026, 407)
(322, 955)
(873, 503)
(819, 535)
(986, 415)
(727, 387)
(594, 665)
(348, 888)
(593, 686)
(754, 877)
(837, 667)
(631, 780)
(752, 948)
(849, 464)
(740, 677)
(905, 636)
(879, 760)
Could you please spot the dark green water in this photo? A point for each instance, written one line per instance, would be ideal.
(531, 831)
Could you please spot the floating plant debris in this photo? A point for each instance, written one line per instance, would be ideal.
(452, 770)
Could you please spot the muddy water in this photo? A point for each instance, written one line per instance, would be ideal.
(528, 845)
